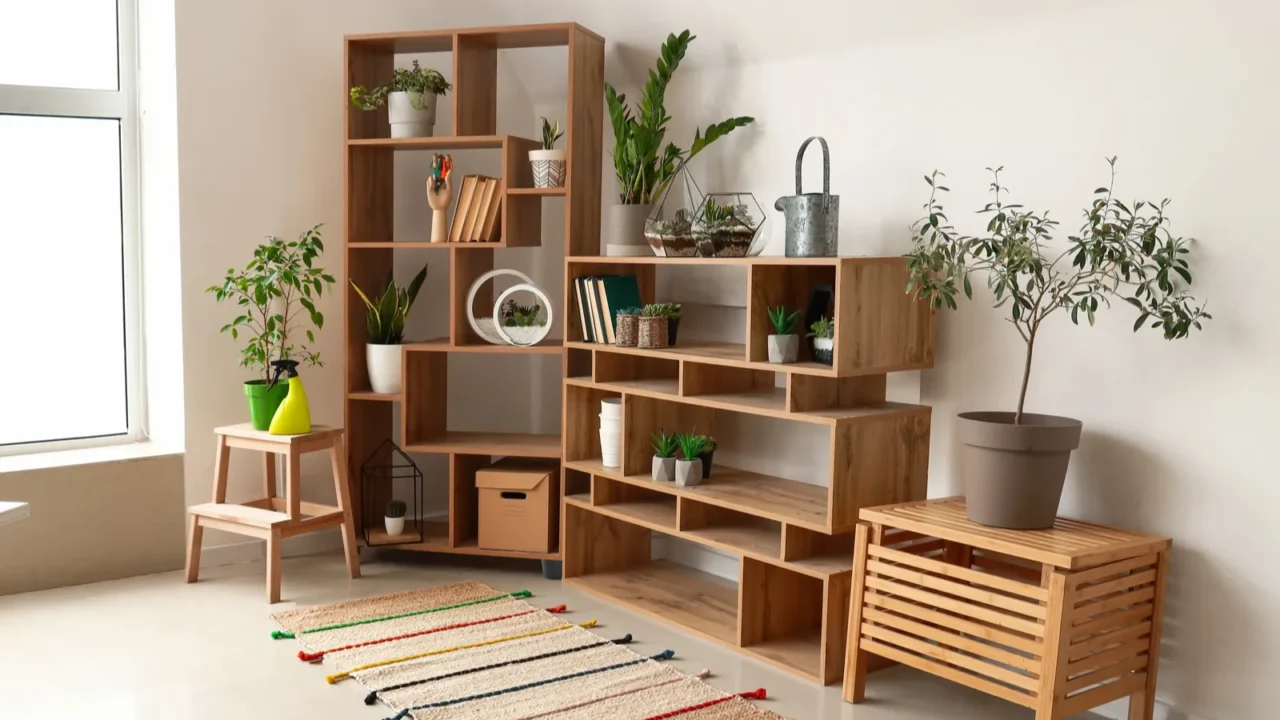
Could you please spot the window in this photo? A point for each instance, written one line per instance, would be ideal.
(69, 242)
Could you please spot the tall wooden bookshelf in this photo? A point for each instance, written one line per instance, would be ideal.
(370, 248)
(793, 539)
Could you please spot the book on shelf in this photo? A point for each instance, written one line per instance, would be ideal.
(491, 227)
(473, 209)
(599, 298)
(460, 211)
(582, 308)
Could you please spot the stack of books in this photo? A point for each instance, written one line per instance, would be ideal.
(600, 297)
(476, 218)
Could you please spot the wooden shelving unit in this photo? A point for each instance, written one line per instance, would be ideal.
(794, 539)
(370, 247)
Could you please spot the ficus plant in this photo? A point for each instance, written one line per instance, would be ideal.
(386, 318)
(417, 79)
(1124, 251)
(276, 294)
(643, 165)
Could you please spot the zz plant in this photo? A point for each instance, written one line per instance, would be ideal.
(386, 318)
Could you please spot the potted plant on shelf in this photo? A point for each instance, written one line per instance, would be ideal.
(1014, 464)
(664, 456)
(394, 520)
(725, 229)
(275, 296)
(654, 332)
(708, 452)
(823, 332)
(410, 98)
(548, 163)
(643, 161)
(524, 324)
(689, 468)
(673, 312)
(628, 330)
(385, 320)
(784, 346)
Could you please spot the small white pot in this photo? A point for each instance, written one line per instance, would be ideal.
(411, 114)
(395, 526)
(688, 472)
(611, 448)
(385, 363)
(549, 168)
(783, 348)
(823, 349)
(611, 407)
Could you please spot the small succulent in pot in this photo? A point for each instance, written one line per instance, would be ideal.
(823, 332)
(396, 510)
(627, 333)
(548, 163)
(672, 312)
(523, 323)
(411, 99)
(725, 228)
(665, 446)
(784, 345)
(708, 452)
(689, 467)
(674, 237)
(654, 333)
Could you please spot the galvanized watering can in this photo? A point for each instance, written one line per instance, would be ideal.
(812, 219)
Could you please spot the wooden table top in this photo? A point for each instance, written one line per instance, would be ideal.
(1069, 544)
(246, 431)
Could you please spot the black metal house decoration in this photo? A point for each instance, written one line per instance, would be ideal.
(387, 470)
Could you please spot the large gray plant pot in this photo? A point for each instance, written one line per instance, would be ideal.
(624, 226)
(1013, 474)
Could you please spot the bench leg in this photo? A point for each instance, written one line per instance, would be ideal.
(855, 667)
(338, 457)
(1142, 705)
(273, 566)
(194, 538)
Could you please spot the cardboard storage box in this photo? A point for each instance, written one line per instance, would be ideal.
(518, 505)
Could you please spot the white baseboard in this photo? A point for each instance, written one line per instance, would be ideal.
(321, 541)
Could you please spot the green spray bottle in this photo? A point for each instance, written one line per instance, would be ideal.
(293, 417)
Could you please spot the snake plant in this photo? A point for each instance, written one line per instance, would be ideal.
(386, 318)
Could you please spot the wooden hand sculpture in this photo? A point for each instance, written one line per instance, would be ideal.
(439, 195)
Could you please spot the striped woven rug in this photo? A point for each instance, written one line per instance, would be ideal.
(469, 652)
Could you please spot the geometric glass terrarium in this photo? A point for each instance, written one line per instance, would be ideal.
(728, 225)
(669, 226)
(387, 470)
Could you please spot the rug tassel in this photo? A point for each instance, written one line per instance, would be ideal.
(371, 698)
(305, 656)
(703, 674)
(558, 609)
(759, 694)
(281, 635)
(624, 640)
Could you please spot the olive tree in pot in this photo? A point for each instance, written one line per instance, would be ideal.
(1014, 464)
(410, 97)
(385, 320)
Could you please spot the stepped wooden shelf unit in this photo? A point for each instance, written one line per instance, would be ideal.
(370, 247)
(790, 606)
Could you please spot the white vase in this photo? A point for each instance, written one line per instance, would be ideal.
(385, 363)
(611, 448)
(783, 348)
(611, 408)
(411, 114)
(549, 168)
(395, 526)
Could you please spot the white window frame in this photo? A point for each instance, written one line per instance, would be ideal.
(122, 105)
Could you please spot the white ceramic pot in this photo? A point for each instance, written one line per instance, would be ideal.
(411, 114)
(395, 526)
(611, 408)
(688, 472)
(385, 363)
(783, 348)
(664, 469)
(549, 168)
(611, 448)
(824, 350)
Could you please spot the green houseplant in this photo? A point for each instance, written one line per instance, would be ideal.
(784, 345)
(385, 319)
(1014, 463)
(708, 452)
(524, 324)
(628, 330)
(549, 166)
(664, 455)
(643, 161)
(410, 97)
(689, 467)
(275, 297)
(394, 520)
(823, 332)
(725, 228)
(671, 311)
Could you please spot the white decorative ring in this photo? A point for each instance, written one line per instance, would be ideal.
(489, 336)
(533, 338)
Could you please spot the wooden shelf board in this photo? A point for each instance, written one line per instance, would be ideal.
(655, 515)
(446, 142)
(503, 38)
(537, 192)
(470, 547)
(371, 395)
(741, 539)
(433, 532)
(421, 245)
(698, 602)
(711, 353)
(799, 655)
(758, 260)
(764, 496)
(490, 443)
(552, 346)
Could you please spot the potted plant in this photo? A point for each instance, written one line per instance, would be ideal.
(672, 238)
(664, 456)
(643, 161)
(673, 312)
(548, 163)
(689, 467)
(724, 229)
(784, 346)
(410, 98)
(1014, 464)
(524, 324)
(628, 330)
(394, 520)
(385, 320)
(708, 452)
(654, 331)
(823, 332)
(275, 297)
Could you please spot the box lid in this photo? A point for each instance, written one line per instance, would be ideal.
(512, 478)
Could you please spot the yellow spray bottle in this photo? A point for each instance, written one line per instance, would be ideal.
(293, 417)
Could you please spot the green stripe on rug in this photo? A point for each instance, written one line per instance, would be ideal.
(286, 635)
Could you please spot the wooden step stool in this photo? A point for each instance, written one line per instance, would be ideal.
(272, 518)
(1060, 620)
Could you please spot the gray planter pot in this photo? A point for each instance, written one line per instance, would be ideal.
(664, 469)
(624, 226)
(784, 348)
(1013, 474)
(688, 472)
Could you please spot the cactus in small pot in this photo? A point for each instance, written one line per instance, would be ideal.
(396, 510)
(784, 344)
(665, 446)
(689, 468)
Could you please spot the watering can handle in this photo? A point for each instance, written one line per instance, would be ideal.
(826, 170)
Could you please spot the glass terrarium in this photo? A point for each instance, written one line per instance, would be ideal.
(728, 224)
(669, 227)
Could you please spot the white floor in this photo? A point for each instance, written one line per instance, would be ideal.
(155, 648)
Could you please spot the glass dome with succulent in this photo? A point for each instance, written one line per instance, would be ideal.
(523, 323)
(674, 237)
(726, 227)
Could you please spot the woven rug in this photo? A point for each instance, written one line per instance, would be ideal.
(469, 652)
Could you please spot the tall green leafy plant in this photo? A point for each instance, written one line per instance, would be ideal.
(275, 295)
(1122, 251)
(643, 165)
(386, 318)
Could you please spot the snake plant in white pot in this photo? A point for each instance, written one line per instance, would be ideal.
(385, 320)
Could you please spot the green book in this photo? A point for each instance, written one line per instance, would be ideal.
(617, 292)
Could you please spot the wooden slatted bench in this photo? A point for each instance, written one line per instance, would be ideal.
(1060, 620)
(273, 518)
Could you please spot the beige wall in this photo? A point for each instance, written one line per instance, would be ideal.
(93, 522)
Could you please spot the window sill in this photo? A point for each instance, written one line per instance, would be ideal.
(86, 456)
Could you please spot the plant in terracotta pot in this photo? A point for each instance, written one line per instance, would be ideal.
(708, 452)
(385, 320)
(410, 97)
(643, 161)
(548, 163)
(823, 332)
(394, 519)
(664, 456)
(1014, 464)
(275, 298)
(628, 331)
(784, 344)
(689, 467)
